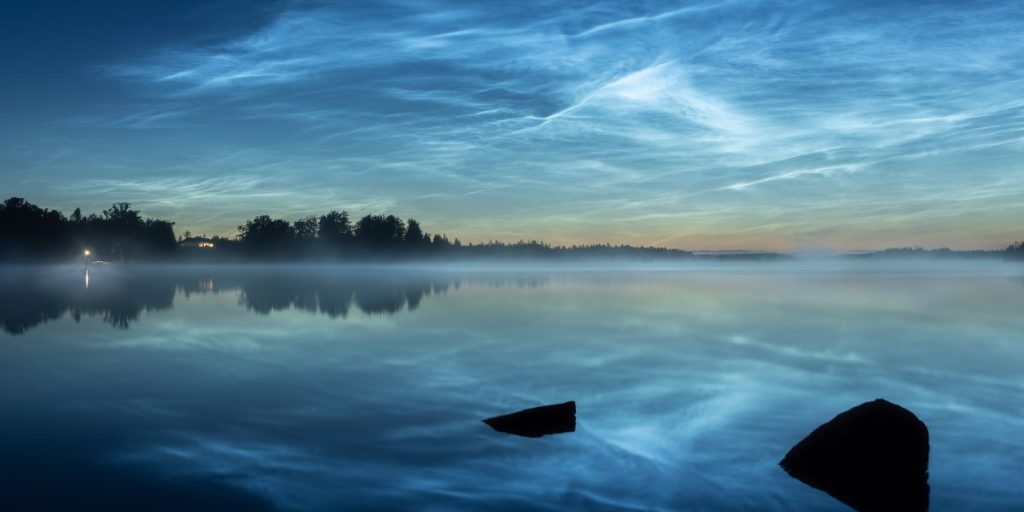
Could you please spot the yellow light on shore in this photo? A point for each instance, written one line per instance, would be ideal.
(86, 252)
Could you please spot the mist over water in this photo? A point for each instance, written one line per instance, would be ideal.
(362, 388)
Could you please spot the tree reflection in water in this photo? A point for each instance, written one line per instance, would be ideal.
(120, 294)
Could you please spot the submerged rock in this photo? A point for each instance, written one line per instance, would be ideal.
(538, 421)
(873, 458)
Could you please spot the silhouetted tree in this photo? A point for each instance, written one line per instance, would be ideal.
(378, 231)
(335, 226)
(414, 236)
(307, 228)
(122, 227)
(159, 237)
(30, 232)
(1016, 250)
(121, 215)
(266, 236)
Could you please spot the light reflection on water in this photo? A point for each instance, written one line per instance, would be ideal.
(324, 388)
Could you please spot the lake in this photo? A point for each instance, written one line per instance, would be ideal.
(308, 388)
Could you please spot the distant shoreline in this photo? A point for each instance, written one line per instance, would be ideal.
(29, 233)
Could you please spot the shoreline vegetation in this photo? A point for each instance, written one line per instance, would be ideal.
(29, 233)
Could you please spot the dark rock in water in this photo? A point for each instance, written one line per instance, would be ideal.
(538, 421)
(873, 458)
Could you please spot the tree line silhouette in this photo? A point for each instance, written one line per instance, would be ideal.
(1015, 250)
(333, 234)
(31, 233)
(120, 233)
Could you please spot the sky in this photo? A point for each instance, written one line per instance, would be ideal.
(797, 125)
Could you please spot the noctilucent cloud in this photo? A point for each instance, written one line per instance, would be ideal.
(790, 125)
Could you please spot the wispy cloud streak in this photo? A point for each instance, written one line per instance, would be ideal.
(711, 115)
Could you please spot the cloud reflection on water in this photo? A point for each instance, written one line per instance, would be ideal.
(690, 386)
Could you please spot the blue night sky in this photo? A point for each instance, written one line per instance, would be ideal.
(705, 125)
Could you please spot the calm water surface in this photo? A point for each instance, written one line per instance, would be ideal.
(331, 388)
